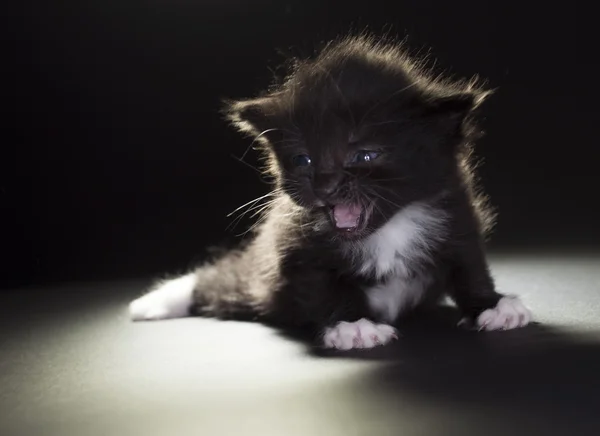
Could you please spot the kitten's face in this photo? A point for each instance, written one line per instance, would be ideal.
(357, 176)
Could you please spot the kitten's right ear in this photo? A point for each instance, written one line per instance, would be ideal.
(252, 117)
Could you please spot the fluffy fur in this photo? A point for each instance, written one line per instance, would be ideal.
(374, 209)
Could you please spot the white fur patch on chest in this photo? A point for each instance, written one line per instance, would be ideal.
(393, 252)
(405, 239)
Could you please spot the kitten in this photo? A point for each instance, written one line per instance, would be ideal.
(374, 210)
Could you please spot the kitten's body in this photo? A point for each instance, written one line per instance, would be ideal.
(374, 211)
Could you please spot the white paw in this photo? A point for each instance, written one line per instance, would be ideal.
(171, 299)
(360, 334)
(508, 314)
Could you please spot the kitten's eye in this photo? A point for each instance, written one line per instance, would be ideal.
(365, 156)
(301, 160)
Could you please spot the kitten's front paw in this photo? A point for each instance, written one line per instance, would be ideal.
(509, 313)
(360, 334)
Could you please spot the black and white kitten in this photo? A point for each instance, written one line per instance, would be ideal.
(374, 210)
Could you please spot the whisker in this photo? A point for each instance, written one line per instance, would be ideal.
(256, 139)
(239, 159)
(258, 208)
(251, 202)
(252, 227)
(388, 200)
(263, 217)
(380, 211)
(378, 195)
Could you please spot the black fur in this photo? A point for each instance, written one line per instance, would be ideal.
(356, 94)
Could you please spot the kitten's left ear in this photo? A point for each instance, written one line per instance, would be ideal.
(252, 117)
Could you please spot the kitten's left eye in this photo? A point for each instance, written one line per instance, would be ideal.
(365, 156)
(301, 160)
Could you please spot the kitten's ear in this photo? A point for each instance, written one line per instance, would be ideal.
(251, 117)
(451, 111)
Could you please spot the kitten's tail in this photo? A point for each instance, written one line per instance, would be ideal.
(167, 299)
(213, 290)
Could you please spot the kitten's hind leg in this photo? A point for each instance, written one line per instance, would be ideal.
(168, 299)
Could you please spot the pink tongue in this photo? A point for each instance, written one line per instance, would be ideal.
(346, 215)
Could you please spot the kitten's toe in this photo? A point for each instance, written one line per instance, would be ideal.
(342, 336)
(360, 334)
(509, 313)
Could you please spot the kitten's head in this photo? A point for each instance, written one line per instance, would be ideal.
(359, 132)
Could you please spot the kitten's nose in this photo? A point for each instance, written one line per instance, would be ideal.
(326, 184)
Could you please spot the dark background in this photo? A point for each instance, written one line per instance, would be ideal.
(116, 162)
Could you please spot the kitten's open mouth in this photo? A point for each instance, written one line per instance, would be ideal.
(348, 218)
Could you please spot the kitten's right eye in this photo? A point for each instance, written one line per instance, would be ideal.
(301, 160)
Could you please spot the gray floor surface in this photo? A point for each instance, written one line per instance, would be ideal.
(72, 364)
